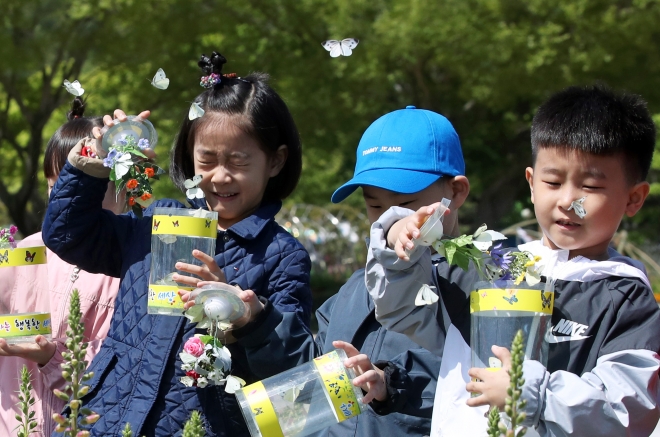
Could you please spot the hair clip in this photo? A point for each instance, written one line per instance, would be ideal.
(210, 81)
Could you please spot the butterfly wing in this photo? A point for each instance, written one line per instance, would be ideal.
(160, 81)
(193, 182)
(425, 296)
(195, 111)
(347, 45)
(122, 165)
(74, 88)
(333, 46)
(233, 383)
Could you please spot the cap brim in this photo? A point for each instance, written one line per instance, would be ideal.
(392, 179)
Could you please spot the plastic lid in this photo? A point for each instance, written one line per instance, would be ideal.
(136, 129)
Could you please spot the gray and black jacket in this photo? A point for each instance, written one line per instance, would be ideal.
(602, 374)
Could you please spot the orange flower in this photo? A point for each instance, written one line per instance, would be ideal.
(131, 201)
(131, 184)
(149, 172)
(145, 196)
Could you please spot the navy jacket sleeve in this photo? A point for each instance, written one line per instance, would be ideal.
(79, 230)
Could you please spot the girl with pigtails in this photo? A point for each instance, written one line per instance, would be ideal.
(243, 147)
(22, 292)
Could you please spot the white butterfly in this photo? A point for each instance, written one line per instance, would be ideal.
(74, 88)
(233, 383)
(425, 296)
(160, 81)
(578, 207)
(292, 394)
(340, 48)
(122, 165)
(195, 111)
(483, 238)
(193, 192)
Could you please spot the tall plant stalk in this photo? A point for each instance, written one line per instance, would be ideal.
(25, 402)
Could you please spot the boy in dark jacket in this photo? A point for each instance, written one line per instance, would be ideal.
(410, 157)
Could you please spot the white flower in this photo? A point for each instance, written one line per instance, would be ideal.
(187, 381)
(202, 382)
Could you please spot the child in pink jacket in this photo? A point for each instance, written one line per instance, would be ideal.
(22, 291)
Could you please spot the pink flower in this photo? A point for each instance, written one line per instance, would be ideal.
(194, 346)
(13, 229)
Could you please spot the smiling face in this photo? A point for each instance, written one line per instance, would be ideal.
(235, 169)
(561, 176)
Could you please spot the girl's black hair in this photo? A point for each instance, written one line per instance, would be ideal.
(599, 121)
(60, 144)
(265, 117)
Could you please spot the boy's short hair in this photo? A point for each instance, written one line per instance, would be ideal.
(405, 151)
(597, 120)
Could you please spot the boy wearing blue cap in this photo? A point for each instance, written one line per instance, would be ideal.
(407, 158)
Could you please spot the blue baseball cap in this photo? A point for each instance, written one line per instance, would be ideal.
(405, 151)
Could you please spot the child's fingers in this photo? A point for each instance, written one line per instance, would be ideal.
(119, 115)
(142, 115)
(373, 383)
(252, 301)
(478, 401)
(212, 266)
(350, 350)
(412, 230)
(361, 363)
(184, 280)
(503, 354)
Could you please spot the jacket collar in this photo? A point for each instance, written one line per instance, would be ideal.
(250, 227)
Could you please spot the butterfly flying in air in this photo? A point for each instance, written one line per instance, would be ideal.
(340, 48)
(578, 207)
(192, 189)
(425, 296)
(74, 88)
(160, 81)
(195, 111)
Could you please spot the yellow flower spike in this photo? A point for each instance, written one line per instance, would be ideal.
(520, 278)
(537, 258)
(530, 263)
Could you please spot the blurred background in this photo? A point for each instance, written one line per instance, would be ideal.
(484, 64)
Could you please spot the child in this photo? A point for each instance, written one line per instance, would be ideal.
(591, 148)
(247, 149)
(97, 295)
(408, 157)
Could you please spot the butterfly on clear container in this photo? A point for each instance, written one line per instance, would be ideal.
(160, 81)
(340, 48)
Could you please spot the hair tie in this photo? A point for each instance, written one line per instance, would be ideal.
(210, 81)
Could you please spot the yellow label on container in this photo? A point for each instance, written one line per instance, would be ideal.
(166, 296)
(22, 256)
(183, 225)
(516, 299)
(20, 325)
(338, 385)
(262, 410)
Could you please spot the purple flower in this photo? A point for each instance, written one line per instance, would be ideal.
(2, 232)
(502, 259)
(13, 229)
(143, 143)
(122, 142)
(109, 160)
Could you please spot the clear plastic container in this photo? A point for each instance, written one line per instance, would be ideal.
(302, 400)
(499, 311)
(133, 128)
(25, 264)
(222, 305)
(175, 233)
(432, 229)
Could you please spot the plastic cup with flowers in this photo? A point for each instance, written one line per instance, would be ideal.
(23, 262)
(123, 151)
(205, 359)
(511, 296)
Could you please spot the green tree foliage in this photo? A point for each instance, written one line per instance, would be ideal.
(485, 64)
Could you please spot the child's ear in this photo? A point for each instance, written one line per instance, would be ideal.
(529, 175)
(460, 187)
(278, 159)
(636, 197)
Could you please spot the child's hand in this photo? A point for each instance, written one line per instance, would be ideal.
(370, 379)
(208, 271)
(401, 233)
(40, 352)
(493, 384)
(108, 121)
